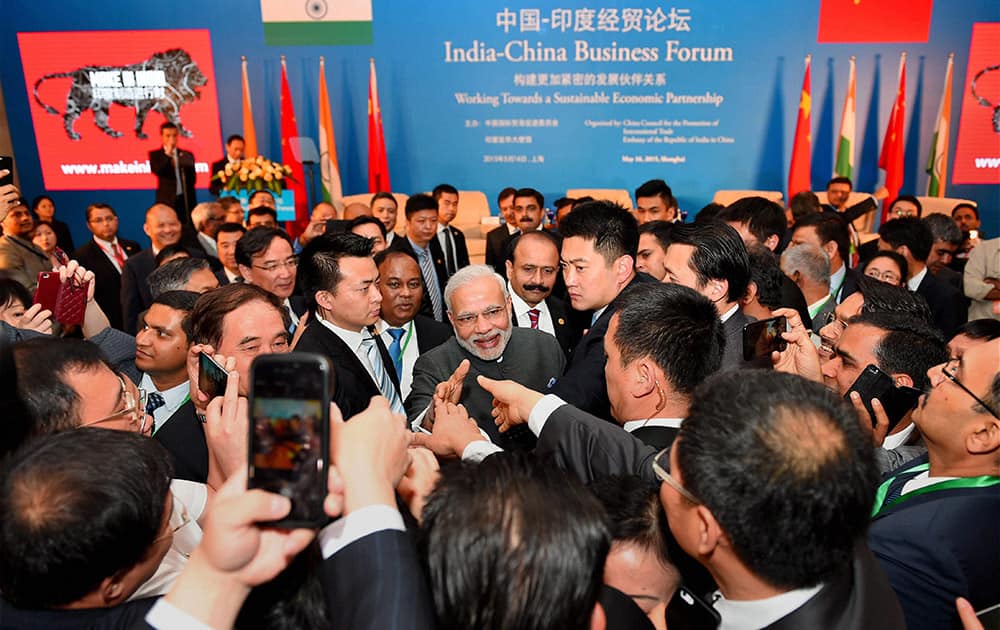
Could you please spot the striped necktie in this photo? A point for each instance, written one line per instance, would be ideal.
(430, 281)
(533, 316)
(382, 378)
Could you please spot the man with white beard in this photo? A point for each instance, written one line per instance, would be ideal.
(486, 343)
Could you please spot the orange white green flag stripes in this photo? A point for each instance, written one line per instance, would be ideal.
(937, 162)
(844, 166)
(329, 168)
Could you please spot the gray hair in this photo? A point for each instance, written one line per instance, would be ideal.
(200, 212)
(809, 260)
(469, 274)
(943, 228)
(174, 275)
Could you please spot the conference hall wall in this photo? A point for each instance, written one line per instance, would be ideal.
(548, 94)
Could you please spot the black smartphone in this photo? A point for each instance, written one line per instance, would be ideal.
(290, 432)
(212, 377)
(7, 164)
(873, 382)
(687, 610)
(763, 337)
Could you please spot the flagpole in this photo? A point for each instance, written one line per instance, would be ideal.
(937, 161)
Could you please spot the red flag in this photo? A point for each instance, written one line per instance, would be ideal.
(378, 163)
(798, 173)
(289, 130)
(891, 158)
(874, 21)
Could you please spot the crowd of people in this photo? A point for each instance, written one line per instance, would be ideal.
(567, 436)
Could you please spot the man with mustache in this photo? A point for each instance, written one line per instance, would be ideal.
(405, 332)
(485, 343)
(532, 270)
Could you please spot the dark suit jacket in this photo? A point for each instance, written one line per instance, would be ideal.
(183, 435)
(791, 297)
(496, 249)
(857, 596)
(430, 333)
(567, 330)
(376, 583)
(850, 285)
(461, 249)
(215, 186)
(531, 358)
(353, 388)
(583, 383)
(64, 238)
(947, 304)
(732, 356)
(937, 546)
(402, 244)
(657, 437)
(162, 166)
(126, 615)
(108, 282)
(136, 296)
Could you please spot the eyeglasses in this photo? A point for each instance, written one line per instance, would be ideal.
(289, 263)
(900, 213)
(831, 317)
(135, 409)
(949, 373)
(661, 468)
(492, 314)
(886, 276)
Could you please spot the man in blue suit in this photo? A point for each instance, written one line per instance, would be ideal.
(934, 526)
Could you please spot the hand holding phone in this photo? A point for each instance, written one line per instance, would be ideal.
(7, 164)
(290, 432)
(211, 376)
(763, 337)
(897, 401)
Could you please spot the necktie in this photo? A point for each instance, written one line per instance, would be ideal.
(177, 171)
(449, 253)
(430, 280)
(533, 316)
(382, 378)
(119, 255)
(291, 319)
(154, 400)
(396, 350)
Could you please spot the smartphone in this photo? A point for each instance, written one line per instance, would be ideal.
(763, 337)
(687, 610)
(212, 377)
(290, 432)
(873, 382)
(973, 234)
(71, 302)
(47, 290)
(7, 164)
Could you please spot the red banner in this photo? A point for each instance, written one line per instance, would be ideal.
(977, 154)
(98, 99)
(874, 21)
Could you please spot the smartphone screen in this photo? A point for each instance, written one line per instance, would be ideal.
(763, 337)
(290, 432)
(212, 377)
(7, 164)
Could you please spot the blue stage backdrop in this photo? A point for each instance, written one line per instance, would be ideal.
(552, 95)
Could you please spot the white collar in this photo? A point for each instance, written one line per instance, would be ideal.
(759, 613)
(725, 316)
(597, 314)
(352, 338)
(915, 281)
(837, 277)
(898, 439)
(103, 244)
(442, 228)
(668, 423)
(818, 304)
(511, 228)
(520, 306)
(231, 276)
(382, 326)
(173, 398)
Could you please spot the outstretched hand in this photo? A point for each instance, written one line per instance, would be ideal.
(512, 402)
(451, 390)
(453, 431)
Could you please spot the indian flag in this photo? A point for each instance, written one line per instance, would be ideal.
(316, 22)
(937, 163)
(845, 148)
(327, 143)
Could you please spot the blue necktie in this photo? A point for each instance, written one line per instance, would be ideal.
(382, 378)
(396, 350)
(154, 400)
(430, 281)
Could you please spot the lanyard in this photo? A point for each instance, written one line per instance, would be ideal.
(409, 335)
(881, 506)
(813, 311)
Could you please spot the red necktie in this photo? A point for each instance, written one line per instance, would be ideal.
(533, 316)
(119, 255)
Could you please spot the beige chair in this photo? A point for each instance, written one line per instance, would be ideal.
(473, 207)
(617, 195)
(726, 197)
(864, 225)
(941, 205)
(366, 198)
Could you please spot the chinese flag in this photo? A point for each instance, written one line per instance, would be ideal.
(289, 130)
(378, 163)
(798, 174)
(874, 21)
(891, 158)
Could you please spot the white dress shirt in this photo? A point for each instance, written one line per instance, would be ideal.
(233, 277)
(189, 501)
(411, 350)
(295, 318)
(750, 615)
(732, 311)
(667, 423)
(898, 439)
(521, 309)
(915, 281)
(353, 341)
(173, 398)
(837, 282)
(108, 248)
